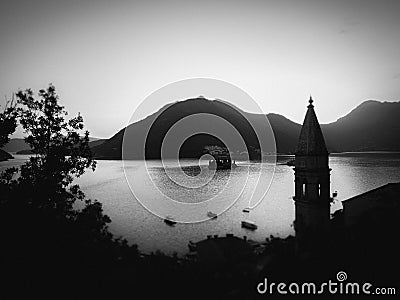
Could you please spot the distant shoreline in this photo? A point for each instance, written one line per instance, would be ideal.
(365, 152)
(12, 154)
(282, 154)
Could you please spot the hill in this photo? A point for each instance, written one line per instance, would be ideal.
(372, 126)
(158, 124)
(5, 155)
(15, 145)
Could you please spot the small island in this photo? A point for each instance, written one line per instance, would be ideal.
(222, 159)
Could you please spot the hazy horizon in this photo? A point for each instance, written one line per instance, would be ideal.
(106, 58)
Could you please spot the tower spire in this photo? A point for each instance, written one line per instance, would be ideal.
(312, 185)
(311, 102)
(311, 140)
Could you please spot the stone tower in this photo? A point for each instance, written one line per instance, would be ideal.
(312, 185)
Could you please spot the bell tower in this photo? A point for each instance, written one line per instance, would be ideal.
(312, 185)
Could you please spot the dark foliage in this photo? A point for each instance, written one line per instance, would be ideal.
(8, 122)
(51, 234)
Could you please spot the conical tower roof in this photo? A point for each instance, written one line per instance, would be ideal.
(311, 140)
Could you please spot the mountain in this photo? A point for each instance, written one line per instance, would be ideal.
(372, 126)
(286, 133)
(5, 155)
(157, 125)
(15, 145)
(93, 142)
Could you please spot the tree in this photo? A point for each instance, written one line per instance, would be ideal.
(54, 228)
(8, 121)
(61, 152)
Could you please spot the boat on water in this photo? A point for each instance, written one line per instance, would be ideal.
(169, 221)
(212, 215)
(249, 225)
(246, 210)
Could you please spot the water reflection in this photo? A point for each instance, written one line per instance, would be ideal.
(351, 175)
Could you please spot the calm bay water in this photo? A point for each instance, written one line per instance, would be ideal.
(352, 174)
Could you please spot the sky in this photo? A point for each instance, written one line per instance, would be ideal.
(106, 57)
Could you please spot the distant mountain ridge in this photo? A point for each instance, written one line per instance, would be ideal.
(158, 124)
(5, 155)
(15, 145)
(371, 126)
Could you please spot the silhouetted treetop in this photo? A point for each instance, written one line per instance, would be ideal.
(8, 121)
